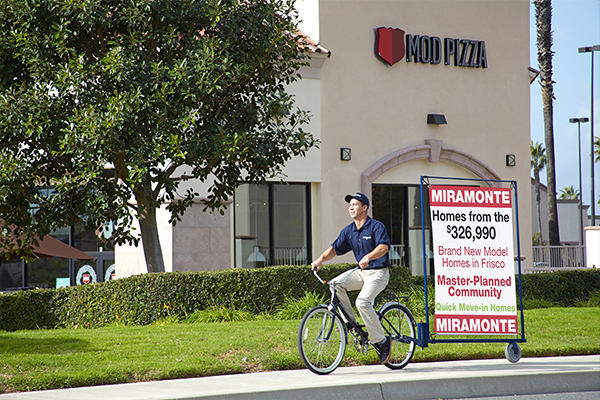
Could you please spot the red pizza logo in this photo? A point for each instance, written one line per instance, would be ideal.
(389, 44)
(392, 45)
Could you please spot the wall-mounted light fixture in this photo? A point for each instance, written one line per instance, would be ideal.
(436, 119)
(256, 256)
(533, 73)
(345, 154)
(511, 160)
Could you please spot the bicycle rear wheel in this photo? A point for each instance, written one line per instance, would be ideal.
(398, 322)
(321, 340)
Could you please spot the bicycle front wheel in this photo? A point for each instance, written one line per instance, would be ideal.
(321, 340)
(398, 322)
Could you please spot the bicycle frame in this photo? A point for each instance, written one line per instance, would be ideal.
(336, 307)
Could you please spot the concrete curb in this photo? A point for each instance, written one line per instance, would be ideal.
(496, 386)
(452, 379)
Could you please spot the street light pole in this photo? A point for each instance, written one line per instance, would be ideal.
(579, 121)
(592, 49)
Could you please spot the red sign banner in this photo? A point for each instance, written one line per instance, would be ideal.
(475, 324)
(472, 234)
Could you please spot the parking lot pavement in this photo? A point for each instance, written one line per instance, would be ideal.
(438, 380)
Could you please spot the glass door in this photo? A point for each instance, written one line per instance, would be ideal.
(398, 207)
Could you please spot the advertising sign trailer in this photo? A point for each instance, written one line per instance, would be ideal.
(473, 251)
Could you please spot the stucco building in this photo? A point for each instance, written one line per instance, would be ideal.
(443, 92)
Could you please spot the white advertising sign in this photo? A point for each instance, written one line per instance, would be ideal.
(474, 263)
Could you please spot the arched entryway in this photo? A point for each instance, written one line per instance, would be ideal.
(396, 201)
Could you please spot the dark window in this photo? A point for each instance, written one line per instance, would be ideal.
(272, 225)
(399, 208)
(48, 272)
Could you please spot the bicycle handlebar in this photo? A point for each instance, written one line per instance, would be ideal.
(318, 277)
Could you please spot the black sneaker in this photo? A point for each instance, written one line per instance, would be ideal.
(384, 349)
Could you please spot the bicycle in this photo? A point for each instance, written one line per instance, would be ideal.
(323, 335)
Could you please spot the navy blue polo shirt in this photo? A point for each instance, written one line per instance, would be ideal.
(363, 241)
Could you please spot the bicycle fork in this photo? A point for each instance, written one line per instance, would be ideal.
(326, 328)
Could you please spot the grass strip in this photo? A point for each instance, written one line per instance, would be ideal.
(63, 358)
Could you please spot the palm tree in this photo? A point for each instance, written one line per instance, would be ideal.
(543, 18)
(569, 193)
(538, 163)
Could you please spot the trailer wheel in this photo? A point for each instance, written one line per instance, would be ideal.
(512, 352)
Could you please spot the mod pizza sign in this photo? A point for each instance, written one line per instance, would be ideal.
(473, 257)
(393, 44)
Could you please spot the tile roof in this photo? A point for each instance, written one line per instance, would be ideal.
(312, 45)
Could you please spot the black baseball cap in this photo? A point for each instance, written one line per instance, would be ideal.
(358, 196)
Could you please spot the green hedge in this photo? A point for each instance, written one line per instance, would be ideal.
(143, 299)
(29, 309)
(562, 288)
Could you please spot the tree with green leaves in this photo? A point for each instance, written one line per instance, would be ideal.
(543, 19)
(107, 106)
(569, 193)
(538, 163)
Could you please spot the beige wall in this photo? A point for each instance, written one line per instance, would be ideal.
(201, 241)
(380, 112)
(130, 260)
(568, 224)
(307, 94)
(377, 110)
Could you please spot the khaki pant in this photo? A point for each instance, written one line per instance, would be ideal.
(370, 282)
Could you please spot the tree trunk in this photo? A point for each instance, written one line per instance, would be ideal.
(553, 235)
(543, 14)
(150, 241)
(538, 197)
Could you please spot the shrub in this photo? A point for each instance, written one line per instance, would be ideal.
(220, 314)
(561, 288)
(170, 320)
(530, 304)
(30, 309)
(293, 308)
(143, 299)
(592, 301)
(416, 300)
(168, 297)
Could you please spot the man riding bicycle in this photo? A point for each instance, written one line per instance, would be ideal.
(369, 241)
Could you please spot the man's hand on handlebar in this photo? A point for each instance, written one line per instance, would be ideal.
(316, 265)
(364, 263)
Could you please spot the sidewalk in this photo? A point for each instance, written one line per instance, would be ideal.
(451, 379)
